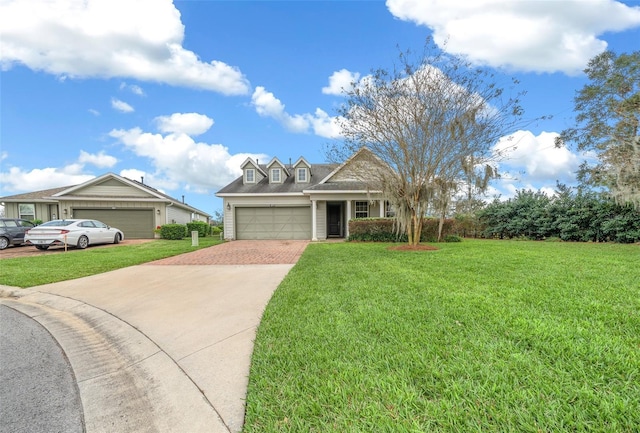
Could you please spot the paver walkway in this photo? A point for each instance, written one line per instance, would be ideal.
(267, 252)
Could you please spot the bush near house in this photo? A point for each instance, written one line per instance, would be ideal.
(382, 230)
(201, 227)
(173, 231)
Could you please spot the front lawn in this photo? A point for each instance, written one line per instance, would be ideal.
(44, 269)
(479, 336)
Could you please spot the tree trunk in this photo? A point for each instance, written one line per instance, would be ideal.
(440, 226)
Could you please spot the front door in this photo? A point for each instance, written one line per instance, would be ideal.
(334, 220)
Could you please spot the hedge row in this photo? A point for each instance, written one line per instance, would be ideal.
(180, 231)
(382, 230)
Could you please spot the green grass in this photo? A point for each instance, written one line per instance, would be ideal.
(479, 336)
(44, 269)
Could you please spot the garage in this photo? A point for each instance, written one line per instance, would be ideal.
(273, 222)
(134, 223)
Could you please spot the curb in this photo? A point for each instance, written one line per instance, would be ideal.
(127, 383)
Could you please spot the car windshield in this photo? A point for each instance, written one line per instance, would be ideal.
(57, 223)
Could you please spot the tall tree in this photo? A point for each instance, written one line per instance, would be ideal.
(425, 119)
(608, 123)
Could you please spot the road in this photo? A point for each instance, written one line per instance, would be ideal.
(38, 392)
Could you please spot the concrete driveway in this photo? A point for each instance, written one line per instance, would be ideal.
(164, 346)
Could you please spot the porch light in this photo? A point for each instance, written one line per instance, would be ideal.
(228, 206)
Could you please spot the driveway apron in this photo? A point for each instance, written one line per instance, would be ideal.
(201, 309)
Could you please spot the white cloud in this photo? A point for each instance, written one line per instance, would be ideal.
(94, 111)
(19, 180)
(121, 106)
(133, 88)
(100, 160)
(187, 123)
(267, 105)
(140, 39)
(341, 81)
(178, 159)
(537, 157)
(540, 36)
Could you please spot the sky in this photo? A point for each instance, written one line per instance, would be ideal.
(182, 92)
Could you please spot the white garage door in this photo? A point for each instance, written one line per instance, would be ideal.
(273, 223)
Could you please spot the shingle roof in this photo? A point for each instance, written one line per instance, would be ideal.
(36, 195)
(318, 172)
(46, 194)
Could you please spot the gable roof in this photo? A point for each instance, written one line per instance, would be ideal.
(146, 189)
(255, 164)
(288, 186)
(53, 195)
(345, 165)
(35, 196)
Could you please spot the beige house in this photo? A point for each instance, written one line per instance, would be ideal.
(132, 206)
(299, 200)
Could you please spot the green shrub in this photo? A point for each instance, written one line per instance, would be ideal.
(452, 238)
(37, 222)
(201, 227)
(382, 230)
(215, 230)
(173, 231)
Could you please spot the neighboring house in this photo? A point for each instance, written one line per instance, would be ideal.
(299, 200)
(133, 207)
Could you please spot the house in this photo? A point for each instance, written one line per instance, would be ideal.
(299, 200)
(132, 206)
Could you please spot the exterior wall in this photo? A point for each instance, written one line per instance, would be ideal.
(227, 220)
(108, 189)
(321, 220)
(256, 201)
(177, 215)
(70, 205)
(374, 209)
(44, 211)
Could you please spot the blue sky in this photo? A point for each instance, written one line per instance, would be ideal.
(183, 92)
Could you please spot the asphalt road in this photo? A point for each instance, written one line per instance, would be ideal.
(38, 392)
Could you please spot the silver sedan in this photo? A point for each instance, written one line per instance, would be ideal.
(72, 232)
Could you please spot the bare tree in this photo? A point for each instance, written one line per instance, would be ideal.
(425, 120)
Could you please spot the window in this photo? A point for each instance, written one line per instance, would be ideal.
(302, 175)
(390, 210)
(275, 175)
(250, 175)
(27, 211)
(362, 209)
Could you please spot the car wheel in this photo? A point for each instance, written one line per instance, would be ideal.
(83, 242)
(42, 247)
(4, 243)
(116, 238)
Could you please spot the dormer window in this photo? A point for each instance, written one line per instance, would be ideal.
(302, 175)
(276, 175)
(250, 175)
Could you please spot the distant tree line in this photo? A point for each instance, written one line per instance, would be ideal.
(570, 215)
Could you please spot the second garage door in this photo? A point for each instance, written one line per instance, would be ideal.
(134, 223)
(273, 223)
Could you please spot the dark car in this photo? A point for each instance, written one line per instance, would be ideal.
(12, 231)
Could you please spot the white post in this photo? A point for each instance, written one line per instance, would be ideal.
(194, 238)
(346, 229)
(382, 210)
(314, 219)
